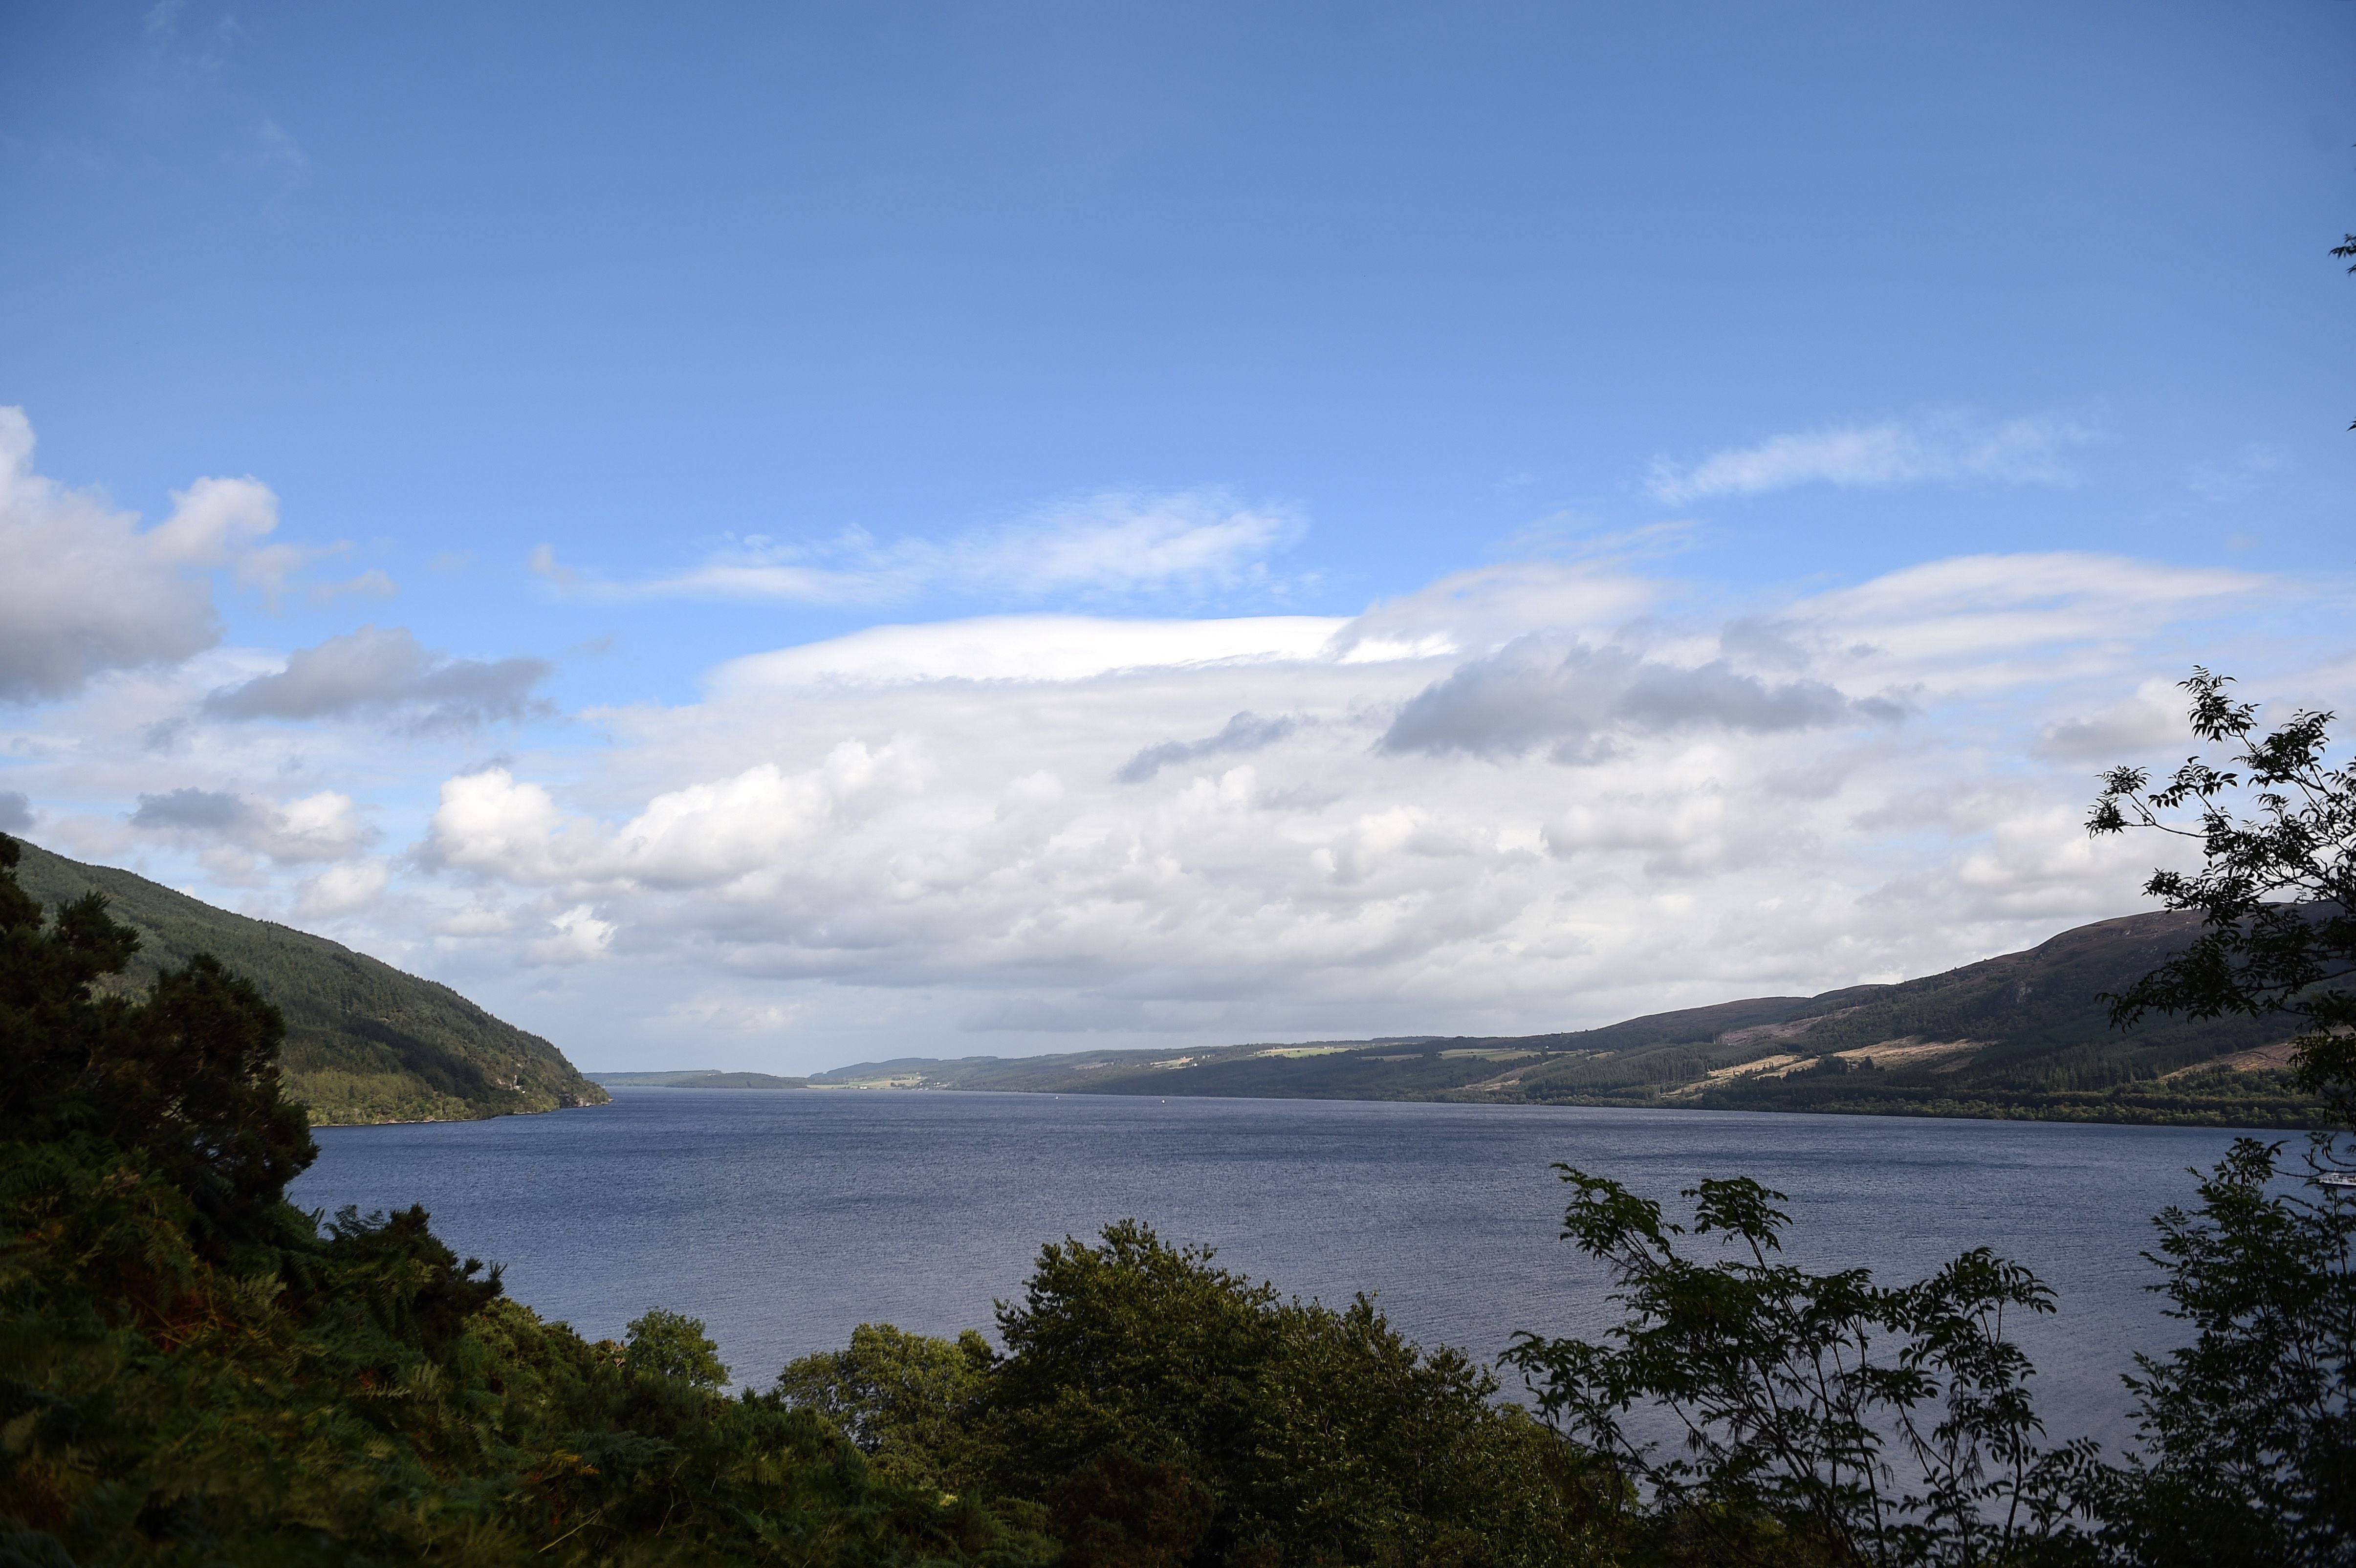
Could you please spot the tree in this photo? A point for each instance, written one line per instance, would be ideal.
(1166, 1409)
(1819, 1418)
(2277, 886)
(185, 1079)
(666, 1344)
(190, 1371)
(905, 1399)
(2249, 1433)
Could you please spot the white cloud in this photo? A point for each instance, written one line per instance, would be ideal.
(706, 1011)
(1109, 547)
(1573, 699)
(222, 523)
(277, 154)
(1250, 830)
(2238, 477)
(1030, 648)
(385, 672)
(341, 890)
(1987, 621)
(1055, 829)
(318, 827)
(579, 936)
(1948, 446)
(2124, 731)
(372, 583)
(87, 591)
(1247, 731)
(701, 835)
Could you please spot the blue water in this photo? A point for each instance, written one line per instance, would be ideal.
(784, 1218)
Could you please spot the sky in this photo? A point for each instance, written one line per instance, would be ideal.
(767, 537)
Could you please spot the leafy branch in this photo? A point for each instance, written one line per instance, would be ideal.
(2277, 886)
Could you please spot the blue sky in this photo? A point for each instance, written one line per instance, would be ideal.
(578, 357)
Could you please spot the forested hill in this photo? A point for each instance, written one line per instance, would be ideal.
(2025, 1035)
(364, 1041)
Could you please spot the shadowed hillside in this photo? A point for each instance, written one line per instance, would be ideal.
(2025, 1035)
(364, 1041)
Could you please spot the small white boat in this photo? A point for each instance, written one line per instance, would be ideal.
(2337, 1178)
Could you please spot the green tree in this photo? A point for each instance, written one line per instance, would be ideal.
(666, 1344)
(1819, 1418)
(191, 1371)
(907, 1401)
(2249, 1433)
(1147, 1394)
(2249, 1438)
(2276, 887)
(185, 1079)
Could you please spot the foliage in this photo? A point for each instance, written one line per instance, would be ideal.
(2250, 1430)
(2277, 888)
(1154, 1407)
(186, 1080)
(1138, 1370)
(2249, 1438)
(1822, 1418)
(906, 1399)
(192, 1371)
(664, 1344)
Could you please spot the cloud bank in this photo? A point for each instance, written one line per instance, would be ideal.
(1530, 796)
(1518, 800)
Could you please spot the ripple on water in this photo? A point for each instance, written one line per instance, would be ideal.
(785, 1218)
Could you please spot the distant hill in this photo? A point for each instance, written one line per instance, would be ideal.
(2021, 1035)
(696, 1078)
(364, 1041)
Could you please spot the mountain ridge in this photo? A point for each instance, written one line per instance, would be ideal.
(2021, 1035)
(365, 1042)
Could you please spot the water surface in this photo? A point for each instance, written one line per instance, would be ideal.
(784, 1218)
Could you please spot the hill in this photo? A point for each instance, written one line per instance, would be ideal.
(696, 1078)
(364, 1041)
(2024, 1034)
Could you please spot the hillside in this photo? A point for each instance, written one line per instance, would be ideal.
(696, 1078)
(2019, 1036)
(364, 1041)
